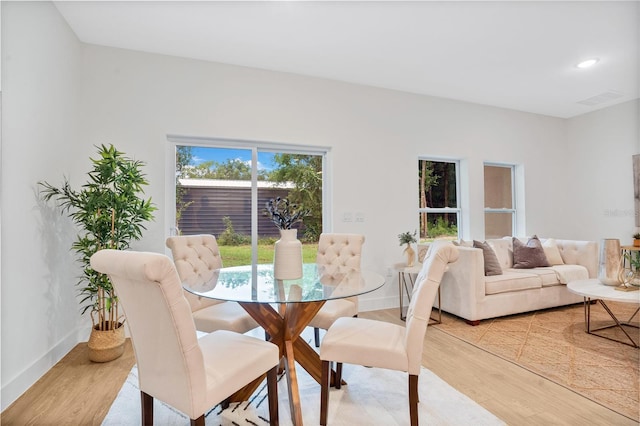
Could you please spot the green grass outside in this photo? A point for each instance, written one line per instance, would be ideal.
(241, 255)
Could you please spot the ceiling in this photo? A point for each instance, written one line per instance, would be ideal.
(511, 54)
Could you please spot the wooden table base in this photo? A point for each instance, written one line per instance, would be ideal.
(284, 329)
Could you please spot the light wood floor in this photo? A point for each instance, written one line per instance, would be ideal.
(78, 392)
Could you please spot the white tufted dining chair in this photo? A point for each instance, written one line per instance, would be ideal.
(190, 374)
(197, 259)
(337, 254)
(385, 345)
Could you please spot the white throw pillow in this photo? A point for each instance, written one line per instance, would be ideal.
(552, 252)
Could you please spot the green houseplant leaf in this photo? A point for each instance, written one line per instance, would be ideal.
(110, 213)
(407, 237)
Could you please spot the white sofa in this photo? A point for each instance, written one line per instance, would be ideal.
(467, 293)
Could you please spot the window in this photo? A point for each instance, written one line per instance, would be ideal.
(499, 201)
(438, 194)
(222, 190)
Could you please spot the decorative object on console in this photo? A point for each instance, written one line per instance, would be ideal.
(609, 268)
(529, 255)
(287, 256)
(636, 239)
(629, 271)
(408, 238)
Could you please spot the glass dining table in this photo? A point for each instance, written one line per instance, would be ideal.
(284, 308)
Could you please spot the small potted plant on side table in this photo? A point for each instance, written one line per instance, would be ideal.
(408, 238)
(636, 239)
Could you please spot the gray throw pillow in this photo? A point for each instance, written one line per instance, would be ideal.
(530, 255)
(491, 263)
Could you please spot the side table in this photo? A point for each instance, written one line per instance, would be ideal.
(406, 281)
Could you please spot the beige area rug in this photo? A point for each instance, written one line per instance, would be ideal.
(553, 343)
(373, 396)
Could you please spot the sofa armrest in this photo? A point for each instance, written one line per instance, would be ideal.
(583, 253)
(462, 287)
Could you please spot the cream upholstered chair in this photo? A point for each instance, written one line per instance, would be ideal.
(385, 345)
(337, 254)
(197, 259)
(190, 374)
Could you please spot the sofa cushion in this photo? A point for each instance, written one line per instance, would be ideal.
(552, 252)
(583, 253)
(491, 264)
(511, 281)
(529, 255)
(548, 276)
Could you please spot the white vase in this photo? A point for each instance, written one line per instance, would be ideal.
(608, 273)
(287, 257)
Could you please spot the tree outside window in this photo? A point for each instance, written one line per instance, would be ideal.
(438, 200)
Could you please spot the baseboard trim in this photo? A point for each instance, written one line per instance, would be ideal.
(15, 387)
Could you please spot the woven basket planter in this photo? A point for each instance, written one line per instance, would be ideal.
(106, 345)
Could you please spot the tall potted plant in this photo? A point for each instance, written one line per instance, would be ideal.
(110, 213)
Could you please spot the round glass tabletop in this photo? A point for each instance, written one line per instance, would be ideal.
(255, 283)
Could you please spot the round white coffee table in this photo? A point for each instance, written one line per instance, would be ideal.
(594, 290)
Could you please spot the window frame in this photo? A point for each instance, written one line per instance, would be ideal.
(457, 210)
(254, 147)
(514, 200)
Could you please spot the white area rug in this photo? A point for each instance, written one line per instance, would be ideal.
(373, 396)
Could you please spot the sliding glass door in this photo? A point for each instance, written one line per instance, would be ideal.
(222, 190)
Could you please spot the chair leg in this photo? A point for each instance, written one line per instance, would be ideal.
(224, 404)
(338, 381)
(272, 392)
(325, 378)
(316, 336)
(413, 399)
(146, 402)
(198, 422)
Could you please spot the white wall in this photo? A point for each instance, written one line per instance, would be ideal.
(135, 99)
(600, 173)
(40, 72)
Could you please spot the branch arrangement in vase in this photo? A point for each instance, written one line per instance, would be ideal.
(408, 237)
(283, 213)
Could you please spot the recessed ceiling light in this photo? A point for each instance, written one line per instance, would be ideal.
(588, 63)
